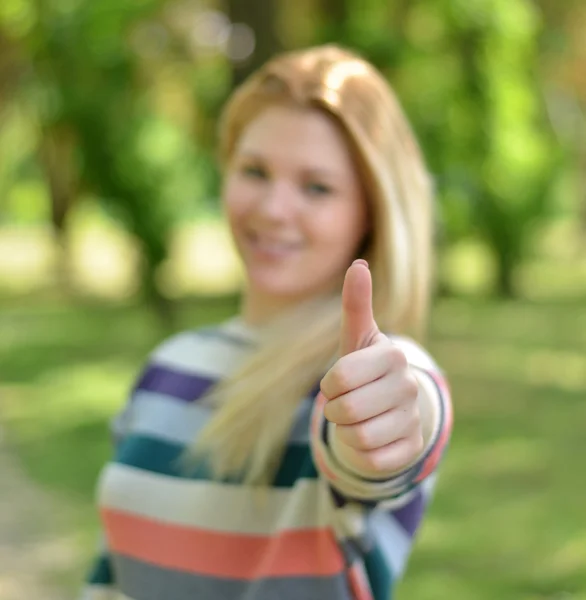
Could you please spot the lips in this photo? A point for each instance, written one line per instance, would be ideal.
(271, 247)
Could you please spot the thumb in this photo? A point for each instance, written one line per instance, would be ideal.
(358, 325)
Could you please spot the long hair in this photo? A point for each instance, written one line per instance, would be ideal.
(256, 405)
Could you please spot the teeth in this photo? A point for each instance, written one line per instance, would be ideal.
(272, 246)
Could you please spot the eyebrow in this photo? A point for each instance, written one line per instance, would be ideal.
(326, 173)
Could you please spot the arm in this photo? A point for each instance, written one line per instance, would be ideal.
(351, 477)
(383, 416)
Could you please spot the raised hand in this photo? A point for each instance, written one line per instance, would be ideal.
(371, 391)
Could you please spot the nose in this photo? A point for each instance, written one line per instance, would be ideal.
(277, 202)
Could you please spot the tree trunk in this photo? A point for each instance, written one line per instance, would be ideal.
(335, 14)
(261, 17)
(162, 306)
(56, 158)
(581, 143)
(505, 275)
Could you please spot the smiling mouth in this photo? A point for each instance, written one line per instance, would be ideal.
(271, 247)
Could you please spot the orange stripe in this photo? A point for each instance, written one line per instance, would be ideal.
(311, 552)
(359, 582)
(434, 458)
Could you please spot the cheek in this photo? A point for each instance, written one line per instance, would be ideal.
(360, 223)
(237, 201)
(342, 230)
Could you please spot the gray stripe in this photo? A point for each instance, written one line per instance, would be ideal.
(143, 581)
(300, 430)
(353, 549)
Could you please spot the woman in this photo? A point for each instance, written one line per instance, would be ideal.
(291, 451)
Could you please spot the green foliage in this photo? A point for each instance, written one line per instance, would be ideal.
(87, 79)
(466, 72)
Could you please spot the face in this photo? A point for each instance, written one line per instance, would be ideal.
(295, 204)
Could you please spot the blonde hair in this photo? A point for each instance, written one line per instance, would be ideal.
(257, 404)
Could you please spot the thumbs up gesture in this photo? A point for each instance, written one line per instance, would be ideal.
(372, 396)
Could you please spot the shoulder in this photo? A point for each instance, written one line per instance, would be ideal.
(181, 368)
(193, 349)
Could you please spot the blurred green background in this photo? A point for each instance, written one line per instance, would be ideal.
(111, 238)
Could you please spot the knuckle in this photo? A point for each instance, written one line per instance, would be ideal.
(330, 412)
(339, 378)
(373, 461)
(396, 357)
(410, 385)
(414, 419)
(342, 411)
(416, 445)
(363, 437)
(349, 410)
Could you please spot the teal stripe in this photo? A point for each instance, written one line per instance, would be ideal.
(379, 574)
(163, 457)
(297, 464)
(102, 573)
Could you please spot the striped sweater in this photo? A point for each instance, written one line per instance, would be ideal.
(321, 533)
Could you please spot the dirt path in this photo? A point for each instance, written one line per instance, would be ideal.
(32, 553)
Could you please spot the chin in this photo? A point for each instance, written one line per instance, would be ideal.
(279, 290)
(280, 287)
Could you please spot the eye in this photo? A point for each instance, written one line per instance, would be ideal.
(254, 172)
(317, 189)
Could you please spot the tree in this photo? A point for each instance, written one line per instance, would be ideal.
(261, 20)
(466, 75)
(84, 84)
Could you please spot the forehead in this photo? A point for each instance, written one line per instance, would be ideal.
(306, 136)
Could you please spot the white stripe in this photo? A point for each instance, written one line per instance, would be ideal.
(414, 353)
(350, 521)
(205, 355)
(166, 418)
(392, 539)
(239, 329)
(99, 592)
(428, 486)
(215, 506)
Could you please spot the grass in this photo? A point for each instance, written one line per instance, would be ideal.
(508, 518)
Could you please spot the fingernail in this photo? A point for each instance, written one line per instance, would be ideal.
(361, 261)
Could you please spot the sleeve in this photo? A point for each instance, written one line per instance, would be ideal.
(353, 486)
(100, 583)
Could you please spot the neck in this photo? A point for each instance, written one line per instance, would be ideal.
(258, 309)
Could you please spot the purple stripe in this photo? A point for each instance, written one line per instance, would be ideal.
(410, 515)
(179, 385)
(315, 390)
